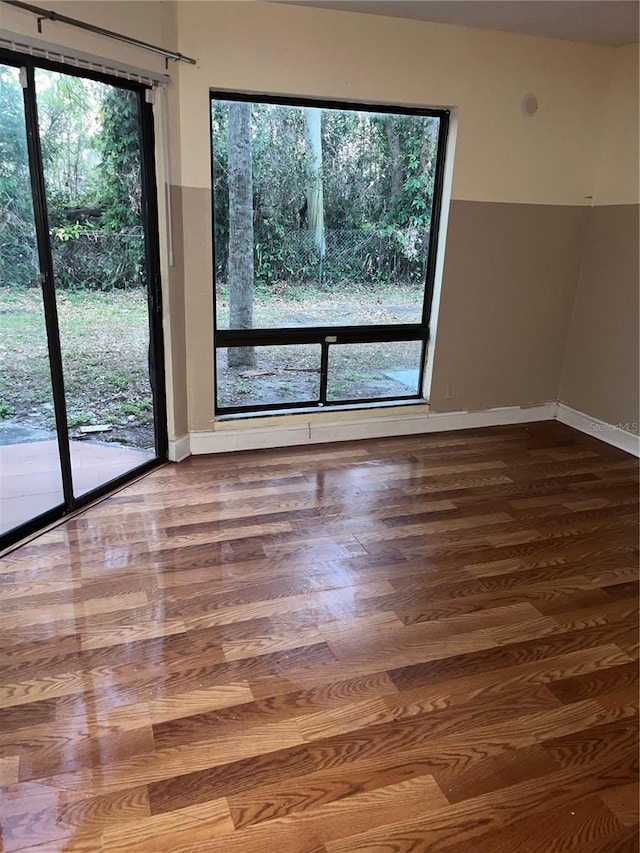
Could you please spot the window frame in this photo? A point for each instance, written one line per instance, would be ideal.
(326, 336)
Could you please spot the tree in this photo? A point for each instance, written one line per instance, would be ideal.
(351, 189)
(18, 255)
(119, 170)
(68, 119)
(395, 164)
(315, 200)
(240, 229)
(15, 192)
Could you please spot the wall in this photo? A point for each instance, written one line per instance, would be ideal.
(521, 186)
(600, 376)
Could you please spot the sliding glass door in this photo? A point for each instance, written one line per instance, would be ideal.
(30, 472)
(81, 386)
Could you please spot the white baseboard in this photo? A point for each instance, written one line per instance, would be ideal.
(327, 429)
(296, 431)
(609, 433)
(179, 448)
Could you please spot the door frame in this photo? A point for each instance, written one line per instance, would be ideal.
(149, 208)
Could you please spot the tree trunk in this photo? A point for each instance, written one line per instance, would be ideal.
(240, 229)
(397, 177)
(428, 148)
(315, 199)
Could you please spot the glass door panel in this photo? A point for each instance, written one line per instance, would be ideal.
(30, 473)
(91, 160)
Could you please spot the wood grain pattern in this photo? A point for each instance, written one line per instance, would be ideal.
(408, 644)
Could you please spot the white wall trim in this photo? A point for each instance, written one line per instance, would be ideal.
(179, 448)
(609, 433)
(249, 435)
(441, 245)
(321, 431)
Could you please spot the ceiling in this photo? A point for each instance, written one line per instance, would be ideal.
(612, 22)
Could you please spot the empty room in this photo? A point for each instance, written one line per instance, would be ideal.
(319, 426)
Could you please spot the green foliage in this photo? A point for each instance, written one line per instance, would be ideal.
(116, 380)
(105, 341)
(72, 231)
(85, 419)
(137, 410)
(67, 138)
(18, 255)
(284, 256)
(418, 146)
(90, 142)
(99, 260)
(219, 123)
(15, 193)
(242, 388)
(372, 235)
(18, 252)
(6, 410)
(119, 145)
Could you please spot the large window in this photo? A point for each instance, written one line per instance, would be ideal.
(325, 226)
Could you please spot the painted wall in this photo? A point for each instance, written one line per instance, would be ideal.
(601, 374)
(510, 269)
(618, 178)
(509, 282)
(501, 155)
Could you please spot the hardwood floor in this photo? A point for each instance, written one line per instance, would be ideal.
(412, 644)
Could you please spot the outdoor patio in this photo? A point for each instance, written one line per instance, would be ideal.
(30, 480)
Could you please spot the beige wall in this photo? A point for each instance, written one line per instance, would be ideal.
(509, 282)
(501, 287)
(149, 20)
(174, 323)
(601, 374)
(501, 154)
(618, 179)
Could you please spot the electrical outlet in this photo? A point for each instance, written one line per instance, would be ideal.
(450, 391)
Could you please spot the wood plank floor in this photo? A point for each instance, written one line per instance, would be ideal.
(412, 644)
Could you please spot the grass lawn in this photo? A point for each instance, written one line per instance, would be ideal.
(347, 305)
(359, 371)
(105, 340)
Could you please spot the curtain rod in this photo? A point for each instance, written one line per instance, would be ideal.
(48, 15)
(79, 59)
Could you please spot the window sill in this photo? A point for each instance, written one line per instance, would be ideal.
(321, 410)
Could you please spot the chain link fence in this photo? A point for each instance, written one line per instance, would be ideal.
(399, 255)
(106, 260)
(364, 256)
(92, 260)
(18, 252)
